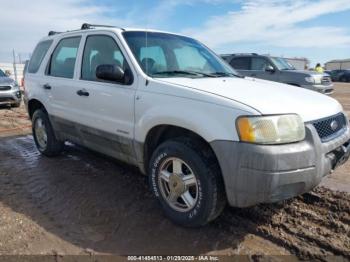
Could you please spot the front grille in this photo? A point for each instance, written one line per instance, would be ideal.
(6, 99)
(330, 127)
(5, 88)
(326, 80)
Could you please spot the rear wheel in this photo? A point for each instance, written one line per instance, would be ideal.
(43, 134)
(187, 181)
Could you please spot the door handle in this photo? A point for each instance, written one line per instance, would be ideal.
(82, 92)
(47, 87)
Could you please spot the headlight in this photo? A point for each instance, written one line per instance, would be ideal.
(15, 86)
(309, 79)
(277, 129)
(314, 79)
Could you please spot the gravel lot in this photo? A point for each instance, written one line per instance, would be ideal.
(83, 203)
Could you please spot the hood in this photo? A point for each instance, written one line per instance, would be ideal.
(265, 96)
(6, 81)
(305, 72)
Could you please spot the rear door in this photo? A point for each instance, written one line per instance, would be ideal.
(60, 83)
(106, 119)
(241, 64)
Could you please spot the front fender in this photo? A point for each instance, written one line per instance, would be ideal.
(208, 120)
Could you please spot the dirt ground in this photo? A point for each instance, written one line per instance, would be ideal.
(83, 203)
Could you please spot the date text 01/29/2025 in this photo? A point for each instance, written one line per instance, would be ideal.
(173, 258)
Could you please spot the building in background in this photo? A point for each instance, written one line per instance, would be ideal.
(300, 63)
(338, 64)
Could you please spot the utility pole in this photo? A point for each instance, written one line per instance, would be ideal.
(14, 65)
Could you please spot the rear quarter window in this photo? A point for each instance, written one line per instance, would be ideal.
(38, 56)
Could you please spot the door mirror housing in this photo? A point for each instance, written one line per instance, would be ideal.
(110, 73)
(270, 69)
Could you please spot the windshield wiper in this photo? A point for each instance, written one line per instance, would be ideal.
(226, 74)
(182, 72)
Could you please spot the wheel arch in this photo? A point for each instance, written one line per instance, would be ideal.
(293, 84)
(34, 105)
(160, 133)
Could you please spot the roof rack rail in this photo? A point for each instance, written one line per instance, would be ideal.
(90, 26)
(53, 33)
(245, 54)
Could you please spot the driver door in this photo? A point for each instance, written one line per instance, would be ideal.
(258, 69)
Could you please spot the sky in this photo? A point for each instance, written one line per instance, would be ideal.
(316, 29)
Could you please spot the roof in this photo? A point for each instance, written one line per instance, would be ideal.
(339, 61)
(91, 27)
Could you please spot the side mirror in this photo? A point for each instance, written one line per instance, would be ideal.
(270, 69)
(110, 73)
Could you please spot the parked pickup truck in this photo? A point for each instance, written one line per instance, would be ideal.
(280, 70)
(164, 102)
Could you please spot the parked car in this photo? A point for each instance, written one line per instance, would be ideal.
(279, 70)
(167, 104)
(340, 75)
(10, 93)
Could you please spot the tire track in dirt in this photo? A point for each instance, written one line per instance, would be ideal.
(94, 202)
(310, 229)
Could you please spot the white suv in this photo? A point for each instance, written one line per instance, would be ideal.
(169, 105)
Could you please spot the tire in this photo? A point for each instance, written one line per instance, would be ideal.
(42, 128)
(208, 195)
(342, 79)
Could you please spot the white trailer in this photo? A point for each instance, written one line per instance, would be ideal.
(338, 64)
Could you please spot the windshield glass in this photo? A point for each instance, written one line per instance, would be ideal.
(168, 55)
(2, 74)
(282, 64)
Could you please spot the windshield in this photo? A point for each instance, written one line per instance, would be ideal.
(282, 64)
(2, 74)
(168, 55)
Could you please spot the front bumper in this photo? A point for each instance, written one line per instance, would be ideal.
(324, 89)
(268, 173)
(12, 96)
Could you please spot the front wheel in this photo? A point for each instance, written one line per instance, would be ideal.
(187, 182)
(343, 79)
(44, 135)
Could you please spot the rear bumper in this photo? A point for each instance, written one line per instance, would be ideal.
(12, 96)
(268, 173)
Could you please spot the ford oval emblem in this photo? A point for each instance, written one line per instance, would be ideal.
(334, 125)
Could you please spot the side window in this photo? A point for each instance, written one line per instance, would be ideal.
(63, 58)
(101, 50)
(241, 63)
(152, 59)
(38, 56)
(259, 63)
